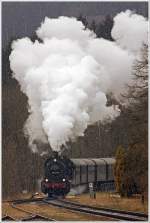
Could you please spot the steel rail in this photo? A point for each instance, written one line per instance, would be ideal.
(115, 214)
(140, 214)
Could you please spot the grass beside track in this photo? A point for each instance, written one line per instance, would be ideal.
(109, 200)
(7, 209)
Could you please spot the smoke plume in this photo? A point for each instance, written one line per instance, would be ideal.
(67, 75)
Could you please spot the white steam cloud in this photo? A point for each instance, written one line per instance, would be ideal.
(130, 30)
(67, 76)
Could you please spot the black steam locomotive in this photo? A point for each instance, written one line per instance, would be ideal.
(58, 174)
(62, 173)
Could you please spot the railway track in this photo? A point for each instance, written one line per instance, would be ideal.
(73, 206)
(30, 215)
(112, 213)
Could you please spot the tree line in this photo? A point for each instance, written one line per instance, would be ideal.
(131, 169)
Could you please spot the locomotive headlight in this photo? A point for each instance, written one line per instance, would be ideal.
(54, 160)
(64, 180)
(46, 180)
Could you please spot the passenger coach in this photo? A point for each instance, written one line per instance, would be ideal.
(97, 171)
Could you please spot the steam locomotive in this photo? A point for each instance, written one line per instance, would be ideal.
(58, 175)
(62, 173)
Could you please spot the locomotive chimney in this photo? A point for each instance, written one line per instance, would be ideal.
(55, 154)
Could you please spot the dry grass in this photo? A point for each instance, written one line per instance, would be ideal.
(107, 200)
(8, 210)
(18, 196)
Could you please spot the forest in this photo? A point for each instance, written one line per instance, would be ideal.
(125, 138)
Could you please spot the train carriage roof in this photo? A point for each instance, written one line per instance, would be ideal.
(99, 161)
(91, 162)
(109, 160)
(82, 162)
(79, 162)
